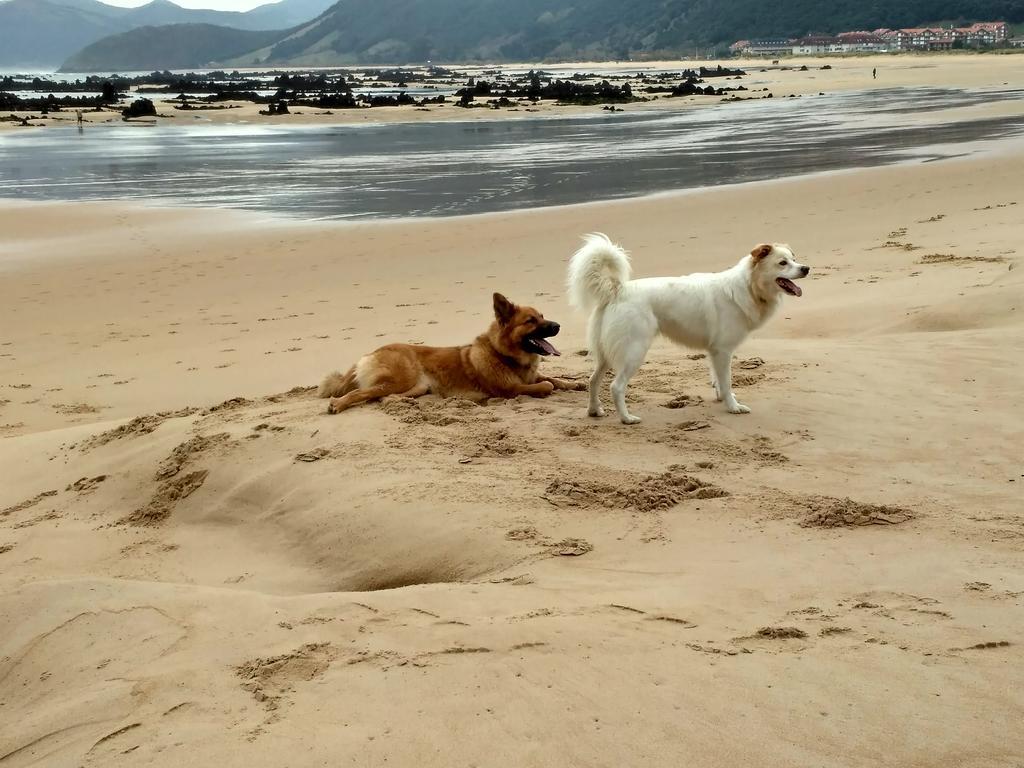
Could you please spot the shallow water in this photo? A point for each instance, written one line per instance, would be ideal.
(448, 168)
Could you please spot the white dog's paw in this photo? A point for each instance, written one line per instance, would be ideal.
(596, 412)
(631, 419)
(738, 408)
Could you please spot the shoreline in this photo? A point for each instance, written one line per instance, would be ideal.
(979, 152)
(850, 73)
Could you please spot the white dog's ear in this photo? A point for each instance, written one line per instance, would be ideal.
(760, 251)
(503, 308)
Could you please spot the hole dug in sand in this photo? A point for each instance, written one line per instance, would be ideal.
(330, 544)
(397, 576)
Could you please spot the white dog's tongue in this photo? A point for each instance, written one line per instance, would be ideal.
(547, 346)
(789, 286)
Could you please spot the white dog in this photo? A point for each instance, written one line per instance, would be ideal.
(710, 311)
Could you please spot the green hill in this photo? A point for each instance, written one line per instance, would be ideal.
(176, 46)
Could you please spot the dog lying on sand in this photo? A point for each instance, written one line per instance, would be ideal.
(710, 311)
(502, 362)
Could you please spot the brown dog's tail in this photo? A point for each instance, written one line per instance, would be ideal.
(336, 384)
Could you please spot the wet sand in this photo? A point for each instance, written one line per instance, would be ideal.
(445, 168)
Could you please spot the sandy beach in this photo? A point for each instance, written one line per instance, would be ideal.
(847, 73)
(236, 577)
(199, 566)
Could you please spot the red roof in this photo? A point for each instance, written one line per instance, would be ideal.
(989, 25)
(859, 37)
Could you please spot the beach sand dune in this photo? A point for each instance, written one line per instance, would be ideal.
(198, 565)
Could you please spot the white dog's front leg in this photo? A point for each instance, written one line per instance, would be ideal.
(722, 362)
(618, 389)
(619, 397)
(714, 379)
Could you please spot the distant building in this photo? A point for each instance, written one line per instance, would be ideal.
(930, 38)
(813, 45)
(895, 39)
(984, 33)
(981, 35)
(773, 47)
(861, 41)
(1016, 42)
(844, 42)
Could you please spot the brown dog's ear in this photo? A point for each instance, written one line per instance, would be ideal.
(760, 252)
(503, 308)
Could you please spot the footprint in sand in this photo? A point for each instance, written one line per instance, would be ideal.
(629, 491)
(271, 679)
(985, 646)
(185, 452)
(826, 512)
(86, 484)
(27, 504)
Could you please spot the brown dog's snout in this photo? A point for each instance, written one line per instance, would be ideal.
(805, 270)
(550, 328)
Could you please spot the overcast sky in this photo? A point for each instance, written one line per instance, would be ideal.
(217, 5)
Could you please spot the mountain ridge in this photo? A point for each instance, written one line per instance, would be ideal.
(41, 34)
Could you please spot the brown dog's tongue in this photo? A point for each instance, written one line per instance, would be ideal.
(547, 347)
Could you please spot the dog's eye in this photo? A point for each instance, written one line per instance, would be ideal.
(782, 263)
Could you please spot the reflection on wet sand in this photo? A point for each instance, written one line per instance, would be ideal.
(450, 168)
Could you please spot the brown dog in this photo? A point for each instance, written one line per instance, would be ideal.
(502, 362)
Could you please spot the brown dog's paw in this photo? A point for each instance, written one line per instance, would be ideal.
(335, 405)
(577, 386)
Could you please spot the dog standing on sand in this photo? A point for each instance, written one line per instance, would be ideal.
(502, 362)
(710, 311)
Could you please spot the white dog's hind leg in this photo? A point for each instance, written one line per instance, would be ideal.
(722, 362)
(595, 408)
(600, 360)
(625, 343)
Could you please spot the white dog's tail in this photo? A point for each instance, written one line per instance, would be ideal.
(597, 272)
